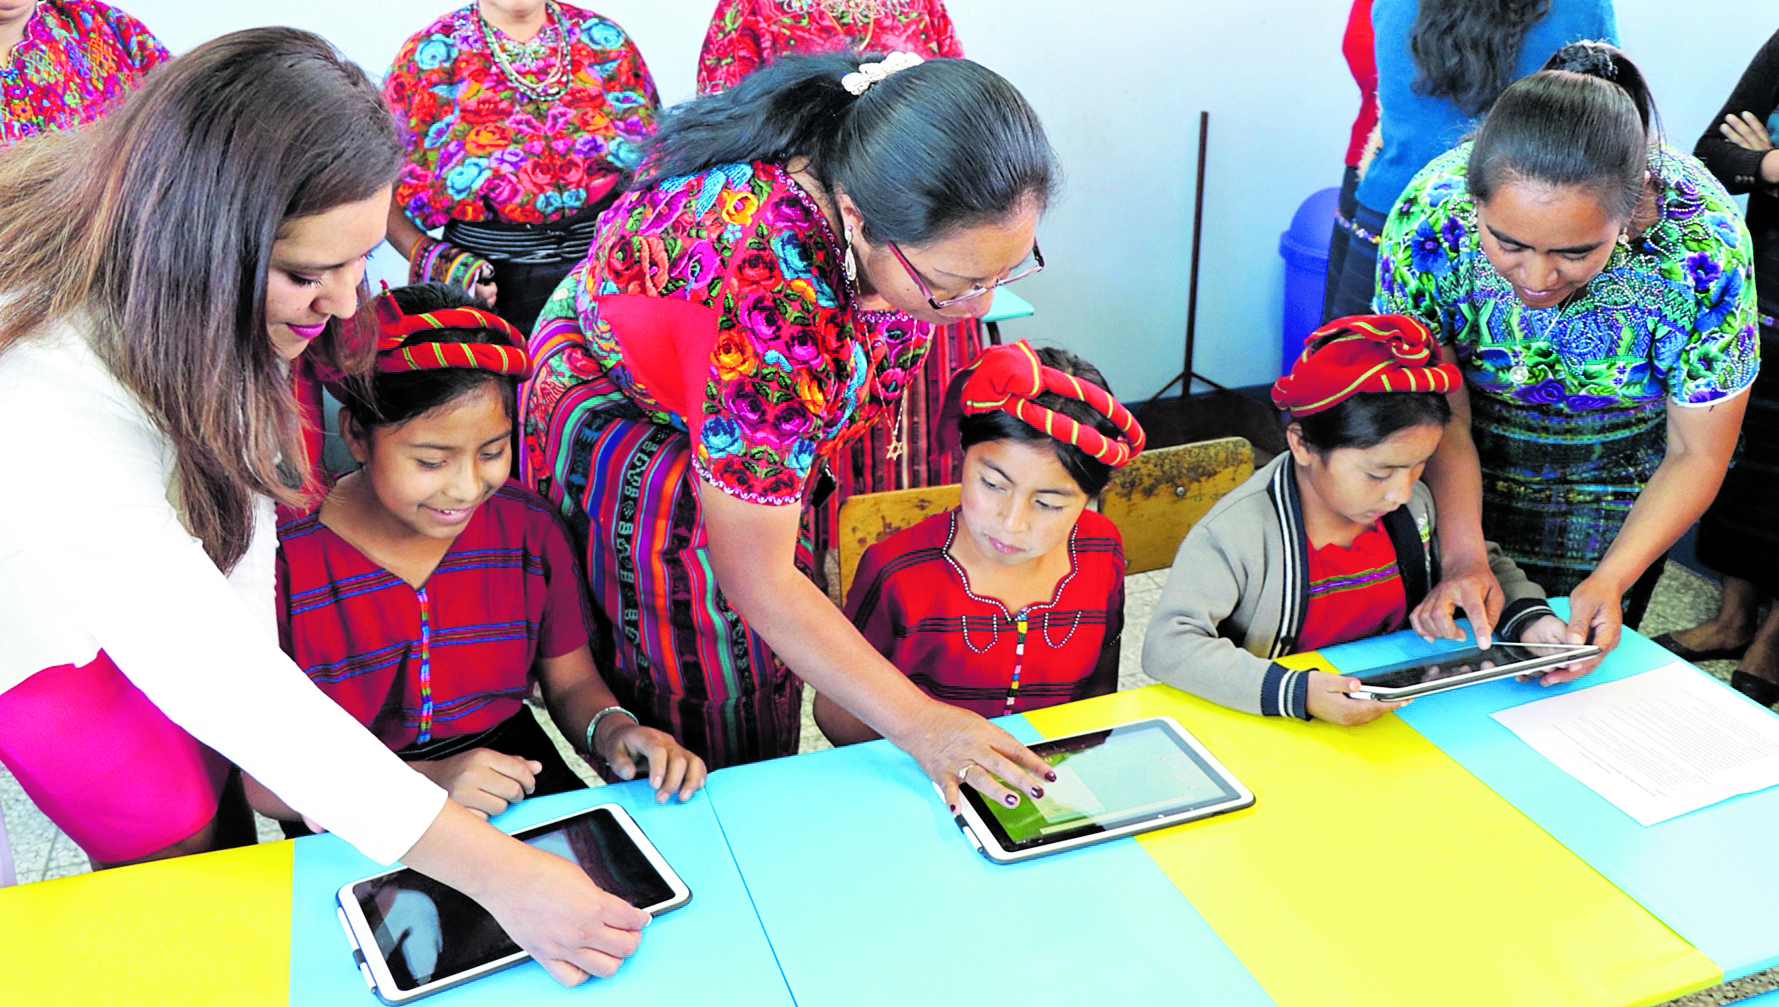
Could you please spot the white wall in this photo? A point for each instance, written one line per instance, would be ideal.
(1119, 84)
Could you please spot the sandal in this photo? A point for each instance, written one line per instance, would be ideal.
(1762, 691)
(1685, 653)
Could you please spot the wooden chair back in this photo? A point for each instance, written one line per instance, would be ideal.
(1154, 501)
(1161, 494)
(869, 518)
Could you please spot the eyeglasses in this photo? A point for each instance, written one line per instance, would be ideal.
(977, 289)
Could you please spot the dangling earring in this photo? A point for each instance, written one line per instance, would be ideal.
(851, 262)
(1624, 237)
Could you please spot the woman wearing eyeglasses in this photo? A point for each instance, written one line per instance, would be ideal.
(759, 298)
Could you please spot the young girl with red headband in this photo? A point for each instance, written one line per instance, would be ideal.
(1330, 542)
(1015, 600)
(428, 593)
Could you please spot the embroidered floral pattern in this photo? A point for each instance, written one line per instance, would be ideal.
(745, 35)
(1671, 318)
(77, 59)
(481, 149)
(795, 371)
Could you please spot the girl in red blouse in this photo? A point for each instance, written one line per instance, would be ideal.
(429, 593)
(1015, 600)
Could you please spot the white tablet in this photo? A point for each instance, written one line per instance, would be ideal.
(1110, 783)
(1427, 675)
(413, 936)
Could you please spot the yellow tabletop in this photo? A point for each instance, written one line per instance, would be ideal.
(1373, 869)
(210, 929)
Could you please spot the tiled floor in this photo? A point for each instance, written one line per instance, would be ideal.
(41, 851)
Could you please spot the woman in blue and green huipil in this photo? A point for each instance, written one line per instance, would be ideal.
(1596, 287)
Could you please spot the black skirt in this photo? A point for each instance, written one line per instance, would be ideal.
(1739, 534)
(1350, 290)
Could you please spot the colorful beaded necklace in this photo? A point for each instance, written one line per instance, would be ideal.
(552, 86)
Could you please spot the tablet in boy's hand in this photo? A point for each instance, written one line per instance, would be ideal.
(1111, 783)
(1428, 675)
(414, 936)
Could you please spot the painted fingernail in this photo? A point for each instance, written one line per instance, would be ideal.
(1051, 776)
(1037, 791)
(953, 808)
(1012, 800)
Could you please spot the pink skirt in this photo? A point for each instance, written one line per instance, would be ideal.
(104, 763)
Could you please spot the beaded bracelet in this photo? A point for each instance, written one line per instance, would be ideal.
(593, 726)
(440, 262)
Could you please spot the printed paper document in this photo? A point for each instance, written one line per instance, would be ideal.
(1657, 745)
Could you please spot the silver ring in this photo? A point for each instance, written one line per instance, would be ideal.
(966, 768)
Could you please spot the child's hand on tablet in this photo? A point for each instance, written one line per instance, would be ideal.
(1328, 700)
(671, 767)
(483, 780)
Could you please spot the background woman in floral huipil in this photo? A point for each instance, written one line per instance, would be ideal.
(746, 35)
(524, 119)
(64, 62)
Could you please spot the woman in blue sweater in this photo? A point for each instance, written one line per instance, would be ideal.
(1440, 65)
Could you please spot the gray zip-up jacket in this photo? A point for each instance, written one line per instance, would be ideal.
(1236, 594)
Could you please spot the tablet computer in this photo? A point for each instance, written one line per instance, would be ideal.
(1427, 675)
(1109, 783)
(413, 936)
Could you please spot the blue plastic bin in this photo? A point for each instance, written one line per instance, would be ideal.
(1305, 250)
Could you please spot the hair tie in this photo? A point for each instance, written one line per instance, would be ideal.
(1008, 378)
(860, 81)
(1363, 353)
(396, 354)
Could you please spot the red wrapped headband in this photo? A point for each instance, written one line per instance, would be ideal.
(1007, 378)
(394, 328)
(1363, 353)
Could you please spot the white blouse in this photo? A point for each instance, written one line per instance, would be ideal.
(92, 555)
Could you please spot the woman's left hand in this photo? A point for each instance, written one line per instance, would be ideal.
(1550, 629)
(671, 767)
(952, 744)
(1596, 617)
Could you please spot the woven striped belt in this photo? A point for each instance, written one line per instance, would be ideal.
(565, 240)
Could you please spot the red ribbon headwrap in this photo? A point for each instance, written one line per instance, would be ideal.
(1007, 378)
(1363, 353)
(394, 328)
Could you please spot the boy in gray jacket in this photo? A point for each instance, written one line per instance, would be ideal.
(1334, 537)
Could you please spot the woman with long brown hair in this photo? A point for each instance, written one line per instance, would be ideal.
(158, 272)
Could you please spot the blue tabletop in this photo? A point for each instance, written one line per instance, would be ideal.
(1706, 874)
(711, 951)
(872, 896)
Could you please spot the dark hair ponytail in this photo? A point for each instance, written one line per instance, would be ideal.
(1607, 62)
(924, 151)
(1370, 418)
(1586, 124)
(393, 399)
(1467, 50)
(1089, 472)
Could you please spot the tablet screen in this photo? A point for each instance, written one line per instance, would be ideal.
(428, 931)
(1462, 662)
(1104, 780)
